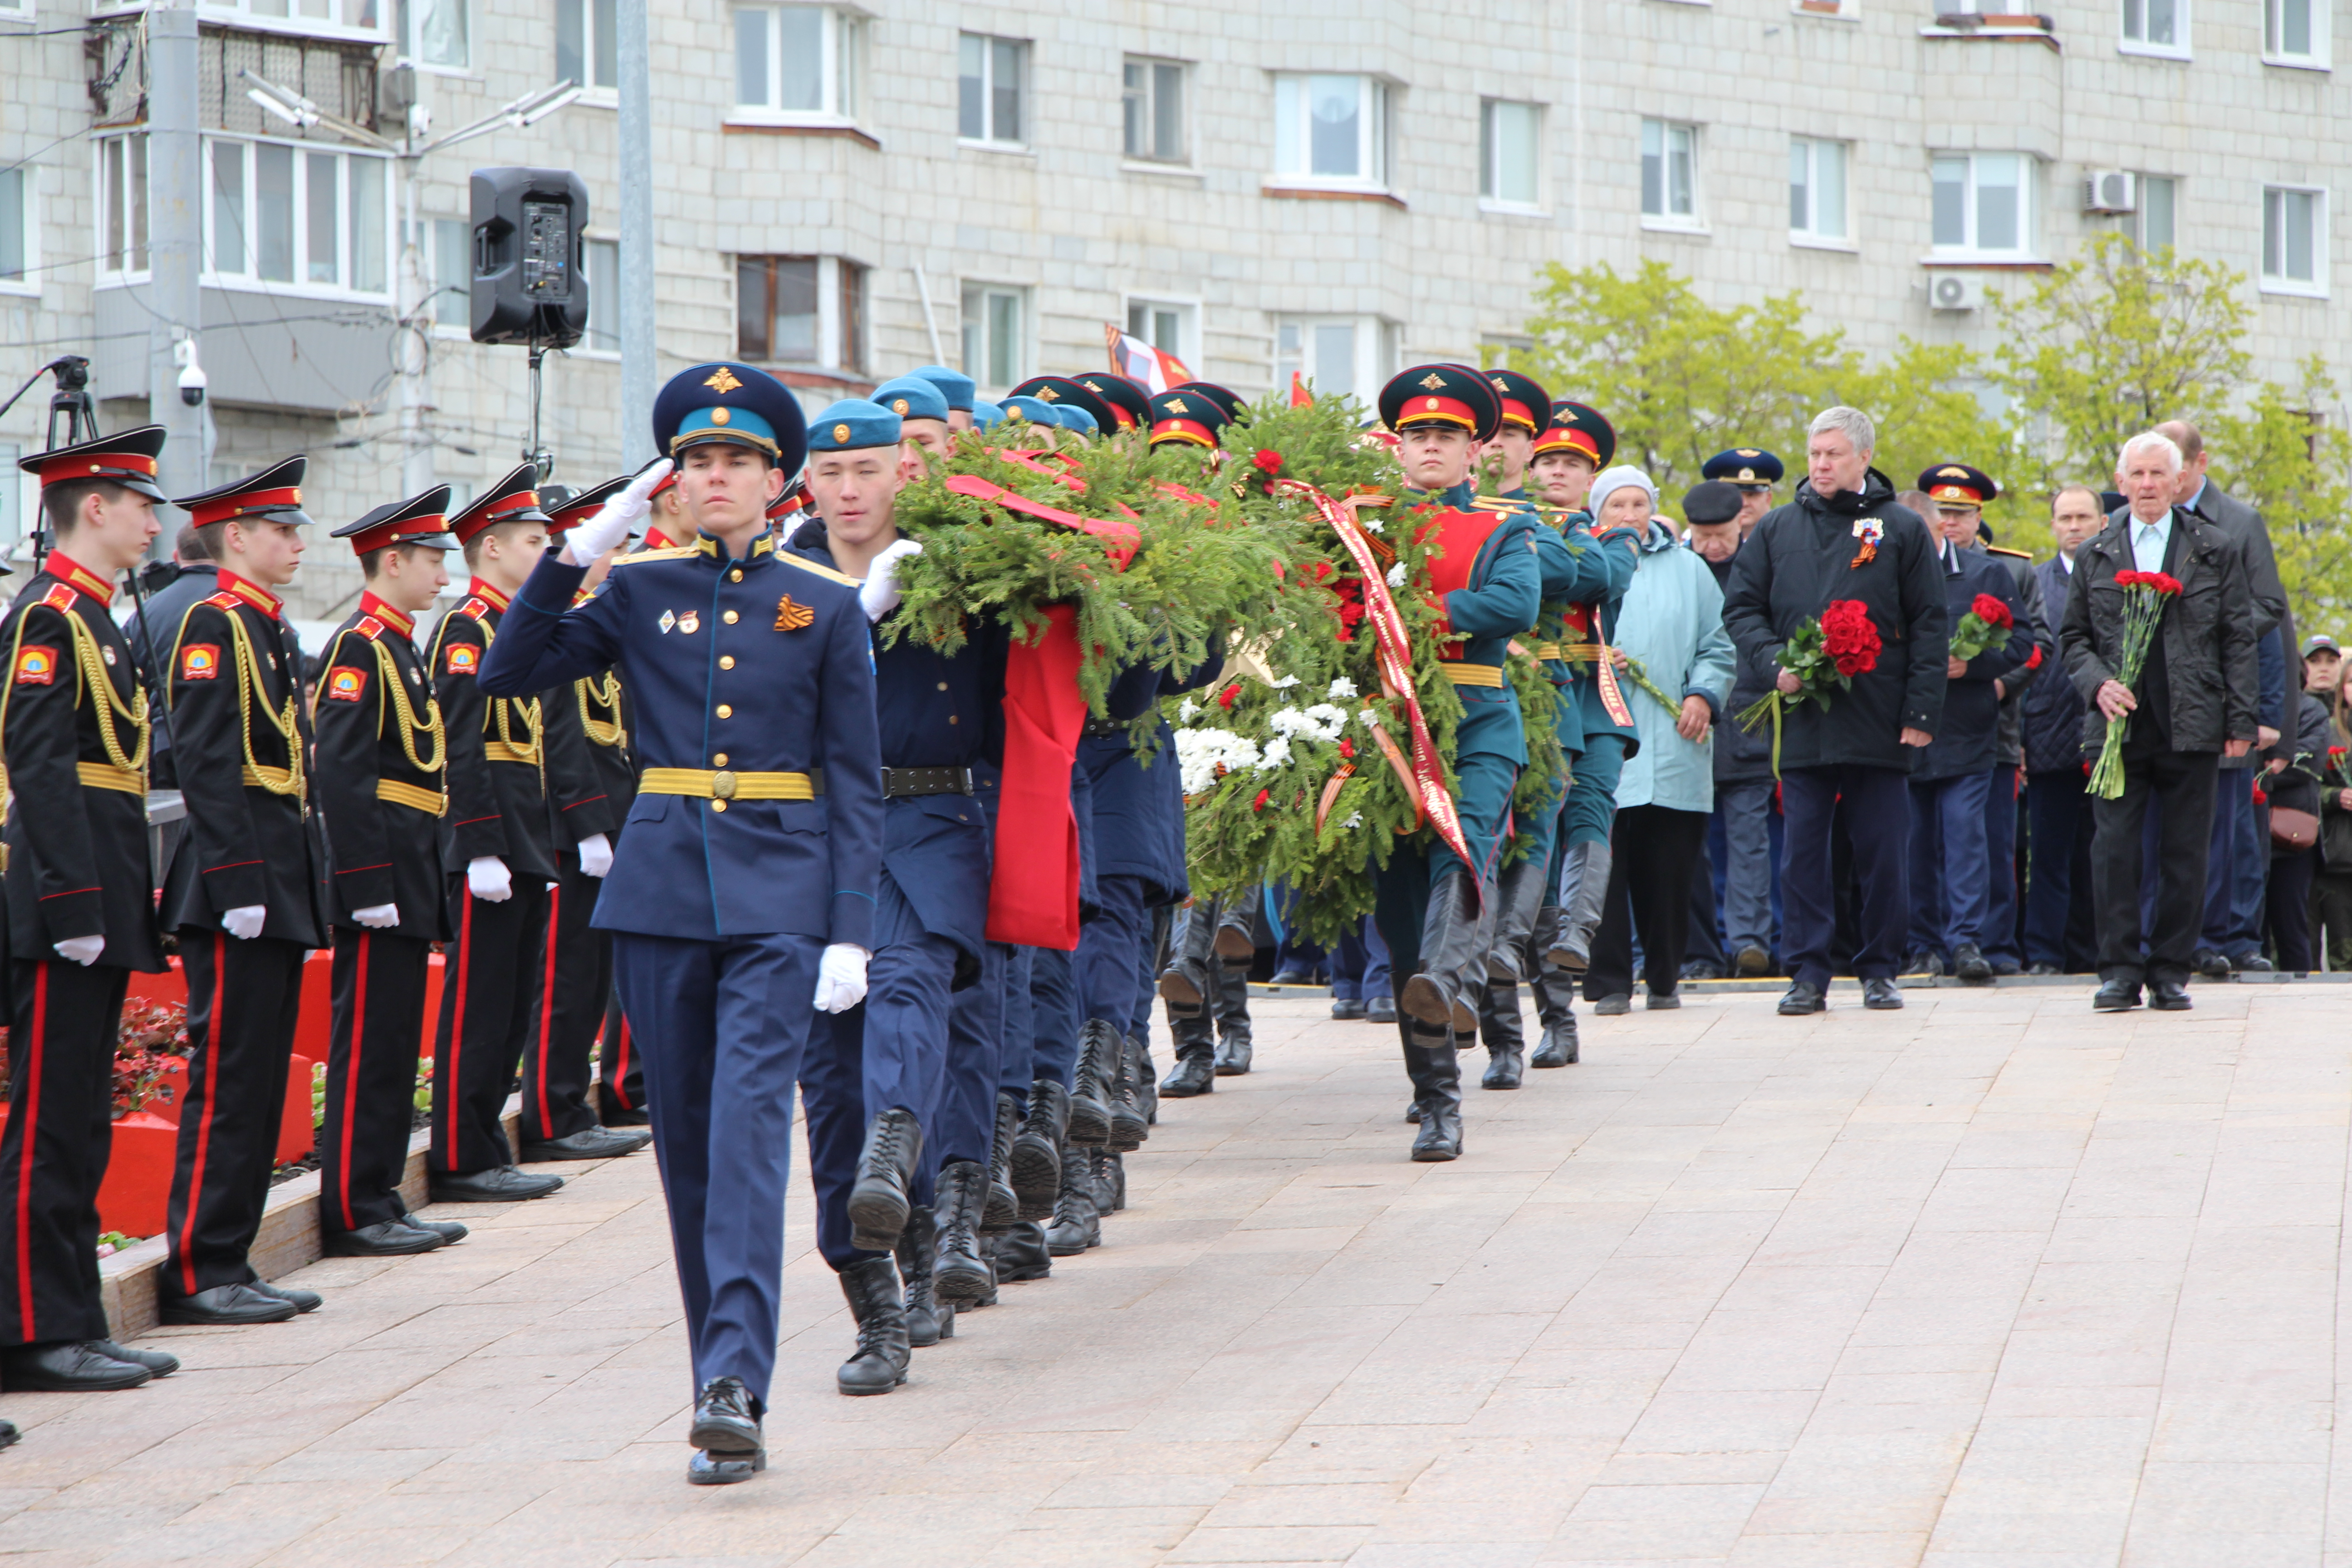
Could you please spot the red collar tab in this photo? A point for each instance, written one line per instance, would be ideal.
(253, 594)
(66, 569)
(655, 539)
(400, 621)
(228, 509)
(488, 594)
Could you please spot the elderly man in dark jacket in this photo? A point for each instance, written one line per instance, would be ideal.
(1740, 839)
(1844, 537)
(2058, 935)
(2194, 702)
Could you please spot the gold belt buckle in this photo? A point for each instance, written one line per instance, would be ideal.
(722, 784)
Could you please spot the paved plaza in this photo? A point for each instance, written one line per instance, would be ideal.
(1989, 1281)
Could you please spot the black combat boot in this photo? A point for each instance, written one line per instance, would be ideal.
(1096, 1088)
(886, 1171)
(1110, 1173)
(962, 1274)
(726, 1435)
(1076, 1224)
(1435, 1067)
(1232, 1020)
(928, 1319)
(1036, 1170)
(879, 1365)
(1502, 1034)
(1184, 983)
(1130, 1124)
(1022, 1253)
(1002, 1206)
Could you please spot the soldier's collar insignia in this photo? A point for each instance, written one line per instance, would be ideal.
(722, 380)
(791, 617)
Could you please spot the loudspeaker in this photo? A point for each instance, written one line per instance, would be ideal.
(529, 285)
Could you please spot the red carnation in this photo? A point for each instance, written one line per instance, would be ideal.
(1348, 749)
(1849, 638)
(2260, 797)
(1991, 611)
(1268, 461)
(1225, 697)
(2162, 582)
(2034, 662)
(1259, 804)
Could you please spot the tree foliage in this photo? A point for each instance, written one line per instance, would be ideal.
(2279, 455)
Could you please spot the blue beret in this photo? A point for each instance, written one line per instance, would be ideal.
(953, 385)
(1073, 418)
(913, 397)
(851, 424)
(985, 413)
(732, 403)
(1743, 466)
(1036, 410)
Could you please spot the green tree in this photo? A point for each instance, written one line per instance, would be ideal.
(1926, 413)
(2281, 455)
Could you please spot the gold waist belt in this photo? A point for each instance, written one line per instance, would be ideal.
(277, 780)
(1583, 652)
(1549, 650)
(1473, 674)
(726, 784)
(106, 776)
(431, 802)
(504, 752)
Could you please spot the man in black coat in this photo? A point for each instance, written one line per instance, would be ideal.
(1844, 537)
(2058, 926)
(2193, 704)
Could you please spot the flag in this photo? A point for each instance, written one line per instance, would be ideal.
(1138, 361)
(1299, 396)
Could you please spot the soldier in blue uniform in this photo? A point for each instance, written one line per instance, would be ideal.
(741, 899)
(1436, 913)
(922, 412)
(1751, 470)
(1526, 410)
(957, 389)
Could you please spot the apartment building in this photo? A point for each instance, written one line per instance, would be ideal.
(848, 189)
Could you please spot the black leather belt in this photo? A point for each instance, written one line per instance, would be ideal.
(900, 782)
(1103, 728)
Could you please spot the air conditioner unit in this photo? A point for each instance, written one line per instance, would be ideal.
(1953, 292)
(2110, 191)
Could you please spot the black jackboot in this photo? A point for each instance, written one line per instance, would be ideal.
(1584, 885)
(1022, 1253)
(1076, 1224)
(1191, 958)
(1036, 1170)
(1454, 936)
(1435, 1068)
(1232, 1020)
(886, 1171)
(1002, 1206)
(1501, 1031)
(929, 1320)
(1196, 1054)
(879, 1365)
(961, 1273)
(1130, 1123)
(1096, 1088)
(1553, 991)
(1147, 1077)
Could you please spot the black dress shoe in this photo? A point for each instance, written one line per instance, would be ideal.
(614, 1116)
(709, 1469)
(446, 1229)
(1347, 1007)
(726, 1427)
(499, 1185)
(1381, 1010)
(588, 1143)
(391, 1238)
(304, 1301)
(2211, 963)
(224, 1304)
(1702, 969)
(2044, 969)
(1928, 964)
(1882, 995)
(1616, 1005)
(2006, 965)
(1294, 975)
(2253, 963)
(2169, 995)
(1970, 964)
(67, 1366)
(156, 1362)
(1801, 999)
(1662, 1000)
(2116, 996)
(8, 1434)
(1751, 962)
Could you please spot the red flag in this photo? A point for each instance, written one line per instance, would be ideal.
(1299, 396)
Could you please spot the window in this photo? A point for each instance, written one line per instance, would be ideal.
(1331, 130)
(15, 489)
(122, 204)
(1984, 204)
(2156, 27)
(1340, 356)
(587, 49)
(797, 60)
(1669, 172)
(2294, 32)
(17, 262)
(2294, 240)
(1154, 104)
(994, 333)
(447, 258)
(1816, 190)
(436, 33)
(280, 214)
(604, 269)
(992, 82)
(304, 16)
(796, 309)
(1509, 139)
(1165, 325)
(2159, 195)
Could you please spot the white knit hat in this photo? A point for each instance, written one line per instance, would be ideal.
(1617, 478)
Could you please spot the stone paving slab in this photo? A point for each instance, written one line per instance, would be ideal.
(1990, 1282)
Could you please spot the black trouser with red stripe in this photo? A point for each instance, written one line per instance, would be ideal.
(378, 1028)
(53, 1154)
(620, 1081)
(575, 985)
(243, 1000)
(487, 992)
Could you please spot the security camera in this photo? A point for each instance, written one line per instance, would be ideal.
(193, 380)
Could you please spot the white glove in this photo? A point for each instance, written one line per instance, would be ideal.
(243, 922)
(880, 591)
(487, 879)
(378, 916)
(82, 950)
(840, 977)
(617, 517)
(596, 855)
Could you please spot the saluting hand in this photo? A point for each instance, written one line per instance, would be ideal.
(615, 518)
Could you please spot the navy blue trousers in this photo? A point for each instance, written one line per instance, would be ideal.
(2058, 923)
(721, 1027)
(2237, 865)
(1053, 1017)
(966, 1124)
(1951, 876)
(1114, 953)
(1360, 964)
(1878, 817)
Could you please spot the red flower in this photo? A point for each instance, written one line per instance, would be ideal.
(1225, 697)
(1348, 749)
(2034, 661)
(2336, 751)
(1991, 611)
(2261, 798)
(1849, 638)
(1268, 461)
(2162, 582)
(1259, 804)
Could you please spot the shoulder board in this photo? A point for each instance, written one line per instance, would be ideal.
(668, 553)
(223, 600)
(60, 596)
(474, 609)
(828, 573)
(1503, 504)
(368, 628)
(2002, 550)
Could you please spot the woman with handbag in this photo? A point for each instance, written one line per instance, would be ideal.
(2331, 893)
(2294, 800)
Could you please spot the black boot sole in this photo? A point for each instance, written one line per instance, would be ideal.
(708, 1470)
(877, 1220)
(862, 1391)
(961, 1285)
(1089, 1123)
(1178, 992)
(1036, 1177)
(1424, 999)
(1435, 1153)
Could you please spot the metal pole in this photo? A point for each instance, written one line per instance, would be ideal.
(174, 239)
(638, 374)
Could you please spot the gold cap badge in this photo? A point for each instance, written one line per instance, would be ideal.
(719, 416)
(722, 380)
(841, 432)
(1433, 380)
(899, 406)
(1429, 403)
(1047, 393)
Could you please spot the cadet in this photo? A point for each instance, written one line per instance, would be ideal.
(382, 751)
(741, 902)
(922, 413)
(1526, 409)
(81, 907)
(884, 1072)
(502, 837)
(1753, 471)
(1435, 911)
(957, 388)
(244, 892)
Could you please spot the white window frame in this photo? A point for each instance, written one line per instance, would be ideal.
(1027, 111)
(600, 259)
(1693, 221)
(246, 277)
(2315, 287)
(1373, 114)
(977, 346)
(1490, 163)
(2178, 49)
(1810, 235)
(256, 16)
(2318, 59)
(2147, 184)
(405, 43)
(1187, 345)
(134, 217)
(16, 10)
(2029, 246)
(1372, 349)
(842, 57)
(29, 216)
(607, 94)
(1152, 65)
(448, 301)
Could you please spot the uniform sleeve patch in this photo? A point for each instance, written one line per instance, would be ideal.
(199, 661)
(60, 596)
(464, 658)
(37, 665)
(345, 684)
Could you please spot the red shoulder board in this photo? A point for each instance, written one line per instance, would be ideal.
(368, 628)
(474, 609)
(60, 596)
(223, 600)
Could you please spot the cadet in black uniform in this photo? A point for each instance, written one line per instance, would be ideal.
(381, 750)
(244, 892)
(82, 912)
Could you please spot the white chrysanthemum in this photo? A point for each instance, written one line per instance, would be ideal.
(1187, 710)
(1373, 523)
(1368, 718)
(1355, 819)
(1288, 721)
(1396, 575)
(1277, 755)
(1325, 722)
(1343, 687)
(1286, 682)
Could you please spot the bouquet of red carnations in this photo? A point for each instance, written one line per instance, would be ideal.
(1824, 653)
(1988, 622)
(2144, 597)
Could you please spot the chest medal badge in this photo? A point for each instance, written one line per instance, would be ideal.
(690, 622)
